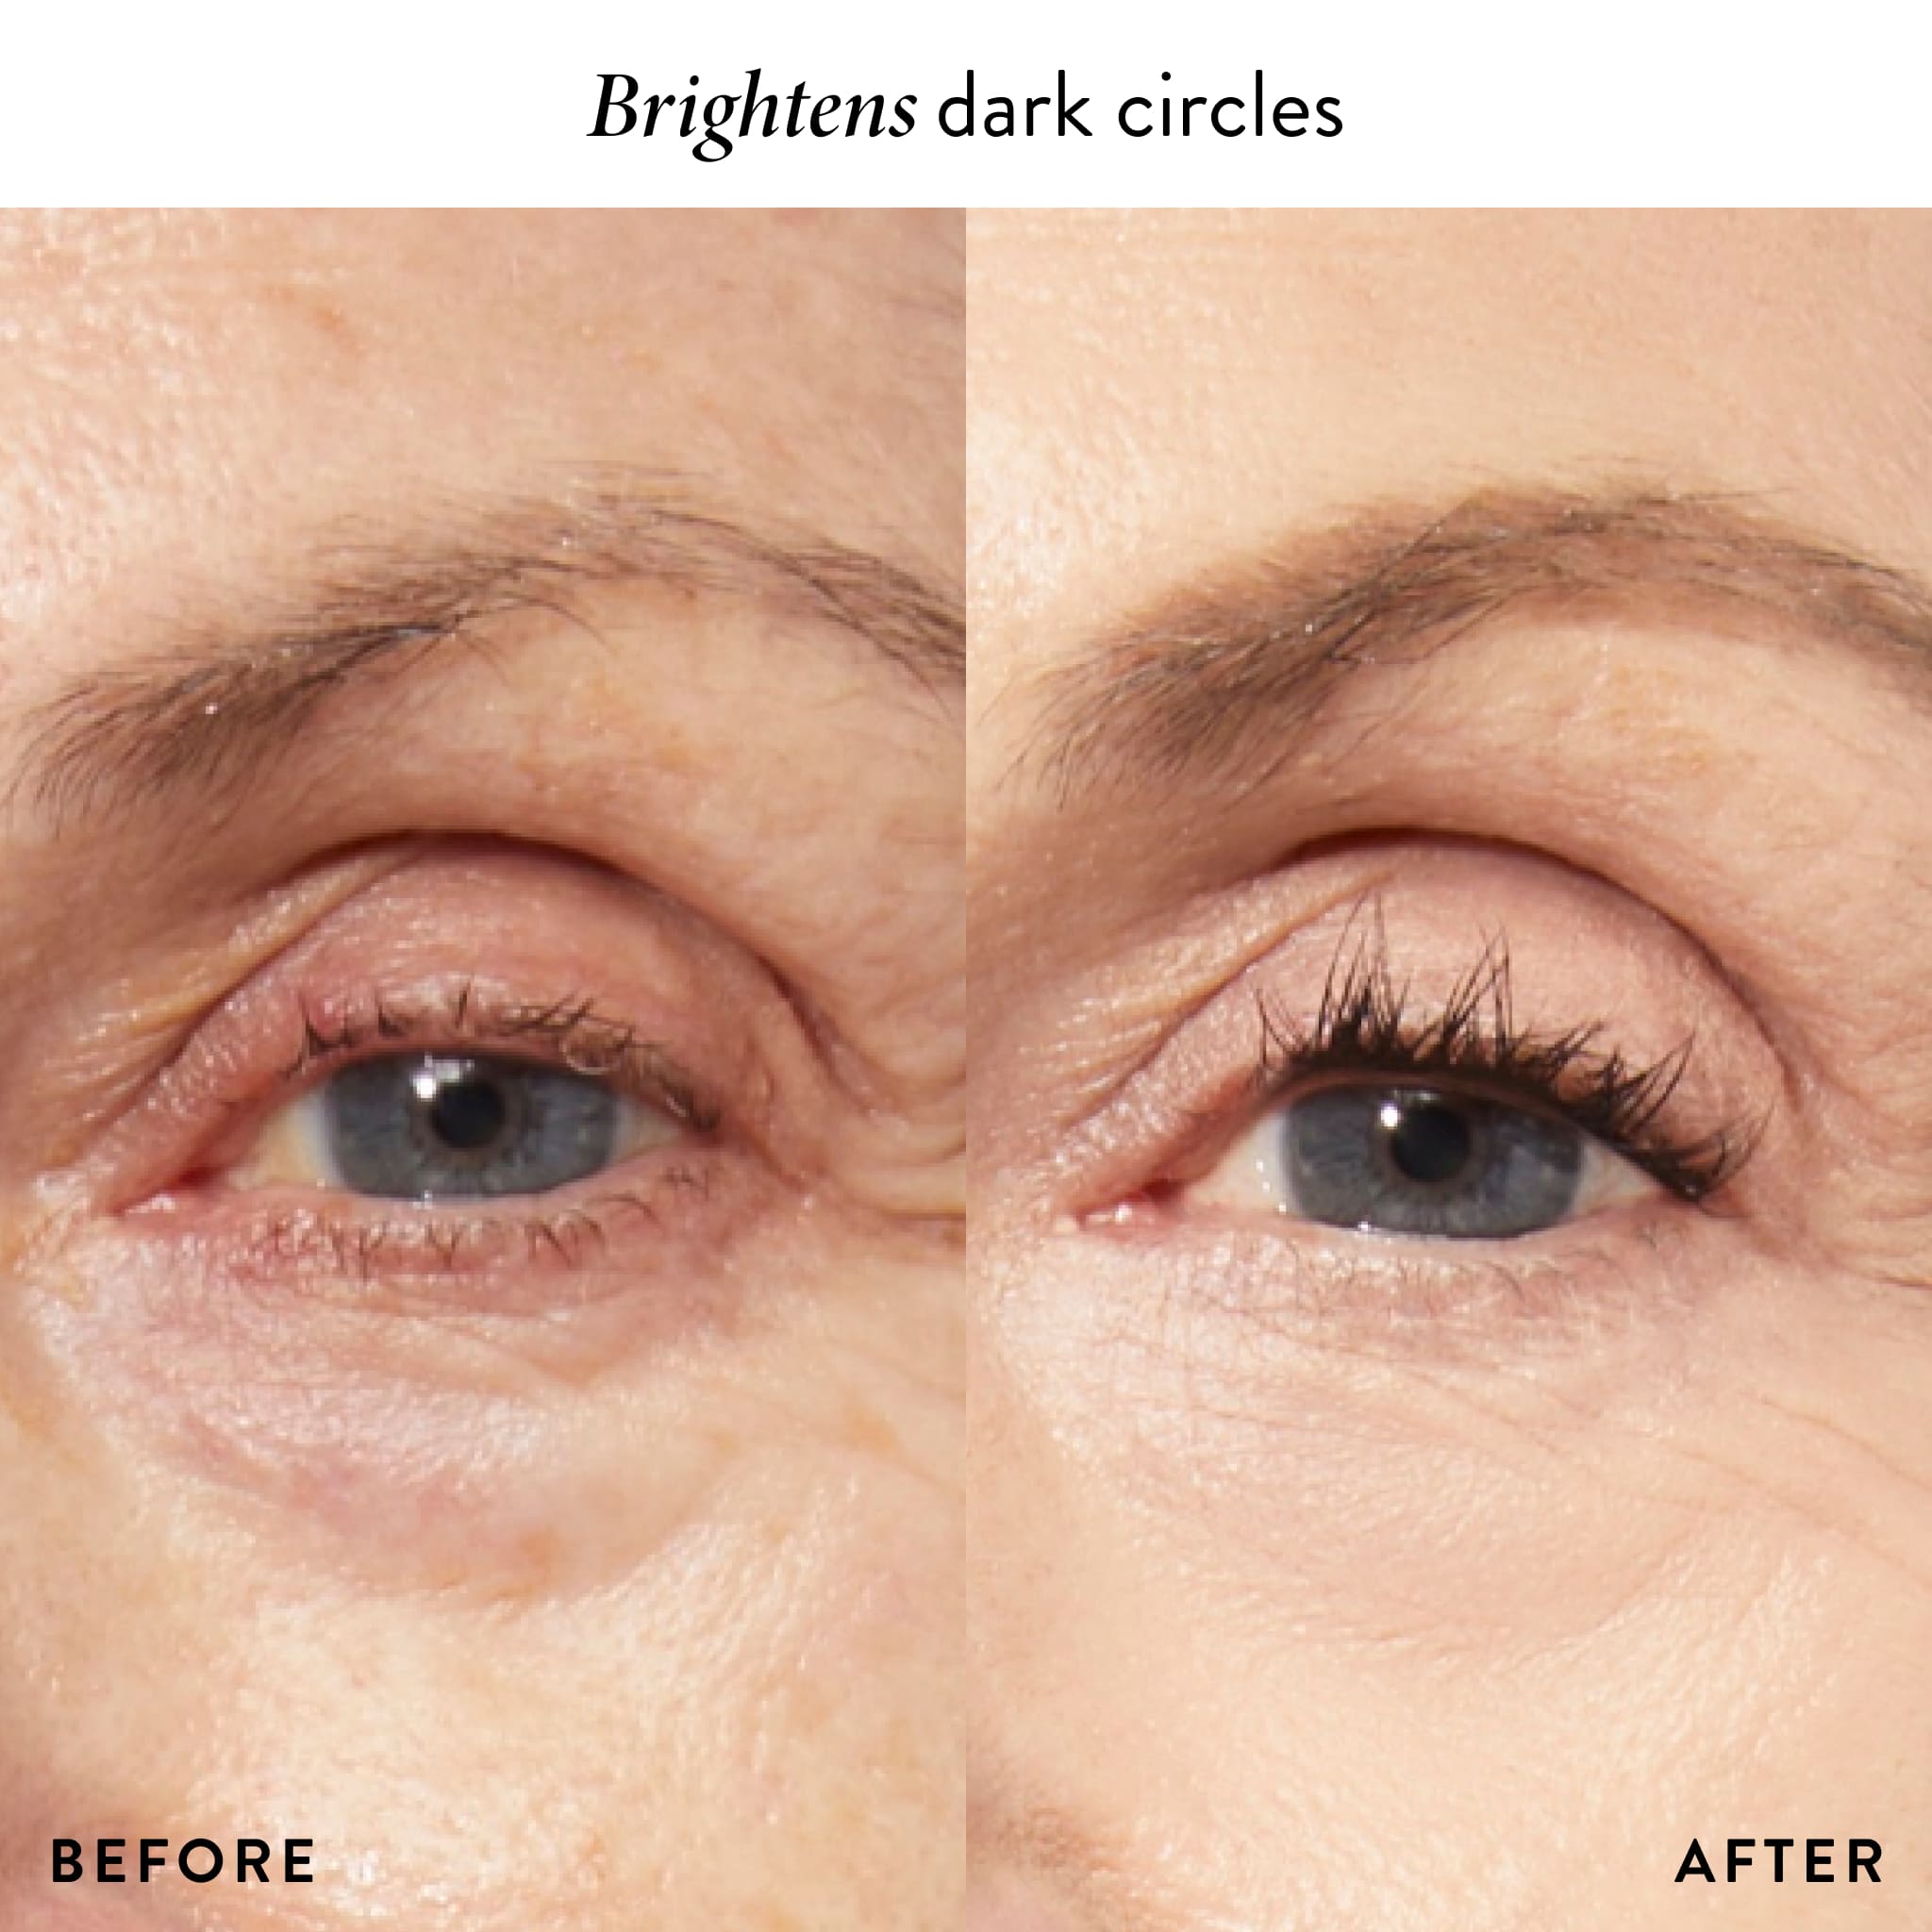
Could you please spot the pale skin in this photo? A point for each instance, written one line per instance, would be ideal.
(1326, 1578)
(582, 1558)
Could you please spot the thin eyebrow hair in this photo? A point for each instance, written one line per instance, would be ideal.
(210, 713)
(1013, 1830)
(1229, 676)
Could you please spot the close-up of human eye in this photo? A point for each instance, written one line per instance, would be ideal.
(480, 1182)
(436, 1126)
(1357, 1048)
(1454, 1124)
(467, 1101)
(417, 1087)
(1450, 1226)
(1385, 1155)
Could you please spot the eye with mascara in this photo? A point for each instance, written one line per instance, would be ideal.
(1451, 1121)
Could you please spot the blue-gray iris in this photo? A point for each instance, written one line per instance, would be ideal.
(1421, 1161)
(431, 1126)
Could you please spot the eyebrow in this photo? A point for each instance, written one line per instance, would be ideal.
(1013, 1831)
(212, 714)
(1226, 677)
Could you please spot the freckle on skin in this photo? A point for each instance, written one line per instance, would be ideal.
(27, 1413)
(536, 1565)
(865, 1430)
(316, 316)
(777, 1918)
(810, 1706)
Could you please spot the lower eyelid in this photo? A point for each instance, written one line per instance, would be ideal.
(650, 1264)
(1238, 1286)
(671, 1218)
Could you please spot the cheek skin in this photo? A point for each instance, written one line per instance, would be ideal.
(1001, 1901)
(556, 1765)
(499, 1436)
(420, 1447)
(1683, 1588)
(697, 1618)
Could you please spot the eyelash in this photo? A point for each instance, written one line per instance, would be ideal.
(1368, 1024)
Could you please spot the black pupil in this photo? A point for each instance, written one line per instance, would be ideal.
(1430, 1141)
(468, 1114)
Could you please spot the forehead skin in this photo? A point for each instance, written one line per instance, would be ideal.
(1151, 395)
(183, 388)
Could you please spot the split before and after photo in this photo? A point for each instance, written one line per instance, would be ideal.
(1029, 1070)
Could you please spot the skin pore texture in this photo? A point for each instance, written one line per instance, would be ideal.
(529, 635)
(1519, 615)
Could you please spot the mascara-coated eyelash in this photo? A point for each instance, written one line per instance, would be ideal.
(1369, 1024)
